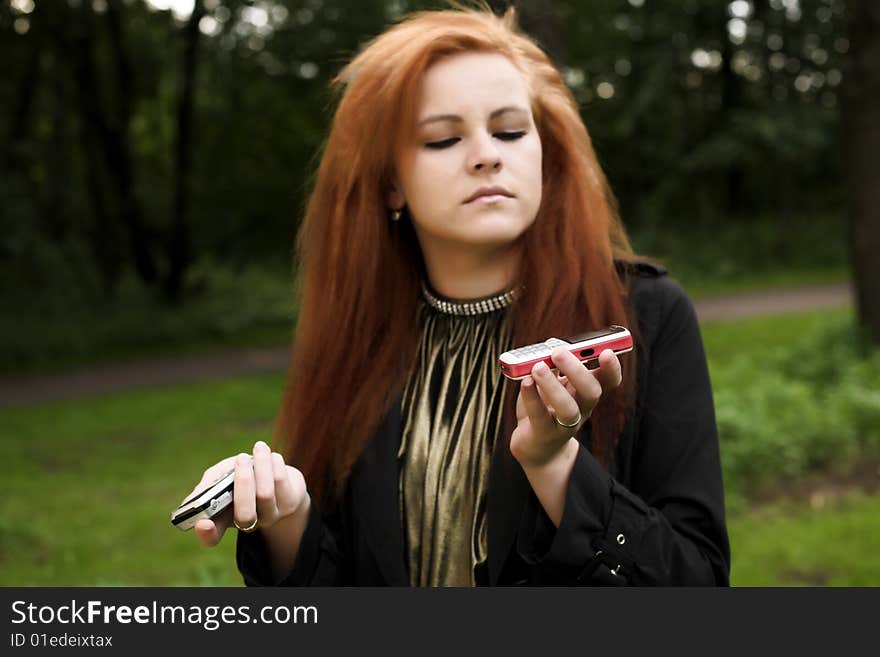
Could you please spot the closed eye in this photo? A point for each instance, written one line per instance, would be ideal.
(510, 136)
(445, 143)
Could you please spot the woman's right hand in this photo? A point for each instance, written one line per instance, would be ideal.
(266, 490)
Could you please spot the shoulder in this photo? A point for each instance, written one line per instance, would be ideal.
(656, 298)
(640, 268)
(648, 283)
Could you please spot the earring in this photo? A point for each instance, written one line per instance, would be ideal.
(395, 214)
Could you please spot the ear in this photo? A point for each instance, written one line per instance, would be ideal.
(395, 198)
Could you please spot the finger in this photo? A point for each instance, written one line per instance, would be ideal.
(587, 387)
(264, 481)
(285, 494)
(534, 405)
(542, 395)
(609, 374)
(554, 393)
(244, 498)
(521, 412)
(548, 403)
(207, 532)
(210, 530)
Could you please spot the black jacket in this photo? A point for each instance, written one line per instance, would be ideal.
(657, 518)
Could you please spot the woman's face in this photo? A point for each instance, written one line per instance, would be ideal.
(472, 177)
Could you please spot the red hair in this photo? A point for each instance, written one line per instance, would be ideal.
(362, 272)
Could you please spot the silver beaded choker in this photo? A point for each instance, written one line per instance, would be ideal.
(475, 307)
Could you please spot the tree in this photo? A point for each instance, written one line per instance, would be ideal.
(179, 249)
(148, 142)
(862, 145)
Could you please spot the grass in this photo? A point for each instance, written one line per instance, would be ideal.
(698, 288)
(761, 335)
(757, 340)
(89, 486)
(793, 544)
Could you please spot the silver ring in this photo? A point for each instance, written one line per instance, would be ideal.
(246, 530)
(573, 425)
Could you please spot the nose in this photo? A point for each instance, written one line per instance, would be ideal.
(484, 155)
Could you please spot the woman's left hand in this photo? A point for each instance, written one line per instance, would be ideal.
(544, 395)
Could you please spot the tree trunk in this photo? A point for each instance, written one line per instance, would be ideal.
(179, 247)
(56, 224)
(731, 103)
(114, 142)
(74, 45)
(862, 156)
(29, 81)
(119, 153)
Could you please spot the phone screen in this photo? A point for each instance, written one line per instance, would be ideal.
(589, 335)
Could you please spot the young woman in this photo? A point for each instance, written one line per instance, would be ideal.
(459, 211)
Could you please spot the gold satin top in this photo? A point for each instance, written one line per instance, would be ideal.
(452, 414)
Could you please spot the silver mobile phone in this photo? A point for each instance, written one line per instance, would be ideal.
(205, 503)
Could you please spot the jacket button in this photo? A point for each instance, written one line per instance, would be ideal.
(621, 539)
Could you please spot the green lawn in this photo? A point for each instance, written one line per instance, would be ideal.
(89, 486)
(724, 340)
(789, 542)
(793, 544)
(699, 288)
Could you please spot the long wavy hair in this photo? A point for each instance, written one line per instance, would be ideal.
(357, 333)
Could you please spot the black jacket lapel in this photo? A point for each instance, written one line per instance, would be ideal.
(508, 488)
(375, 499)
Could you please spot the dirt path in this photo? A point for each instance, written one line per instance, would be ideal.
(774, 302)
(187, 369)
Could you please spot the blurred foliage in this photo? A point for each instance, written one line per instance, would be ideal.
(703, 113)
(760, 246)
(225, 308)
(229, 304)
(808, 403)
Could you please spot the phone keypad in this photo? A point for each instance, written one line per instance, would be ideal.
(540, 349)
(531, 350)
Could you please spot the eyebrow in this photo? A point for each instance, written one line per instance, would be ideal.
(455, 118)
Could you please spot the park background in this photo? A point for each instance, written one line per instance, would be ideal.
(156, 156)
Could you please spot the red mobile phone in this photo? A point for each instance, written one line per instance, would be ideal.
(518, 363)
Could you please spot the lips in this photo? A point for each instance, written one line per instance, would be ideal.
(488, 191)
